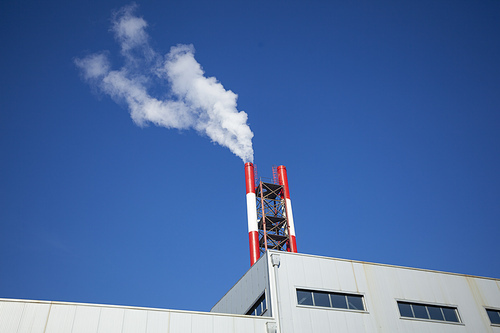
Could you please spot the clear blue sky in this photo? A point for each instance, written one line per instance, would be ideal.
(386, 115)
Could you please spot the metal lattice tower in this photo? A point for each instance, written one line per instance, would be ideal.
(271, 217)
(269, 212)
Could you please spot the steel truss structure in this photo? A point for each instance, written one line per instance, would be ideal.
(273, 225)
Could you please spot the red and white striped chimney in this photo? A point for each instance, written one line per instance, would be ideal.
(283, 179)
(253, 229)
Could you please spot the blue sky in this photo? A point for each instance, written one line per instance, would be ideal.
(386, 115)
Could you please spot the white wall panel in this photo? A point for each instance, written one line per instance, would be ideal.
(311, 279)
(158, 322)
(244, 326)
(202, 323)
(61, 318)
(10, 316)
(180, 322)
(111, 320)
(18, 316)
(345, 274)
(86, 319)
(287, 283)
(34, 318)
(222, 324)
(338, 323)
(135, 321)
(329, 274)
(319, 321)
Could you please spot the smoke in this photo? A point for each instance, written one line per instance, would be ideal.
(194, 101)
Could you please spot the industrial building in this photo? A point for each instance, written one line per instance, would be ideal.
(288, 292)
(306, 293)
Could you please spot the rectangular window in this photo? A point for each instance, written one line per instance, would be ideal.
(427, 311)
(494, 316)
(330, 300)
(259, 307)
(355, 302)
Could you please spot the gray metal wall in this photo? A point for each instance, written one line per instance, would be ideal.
(20, 316)
(247, 290)
(381, 286)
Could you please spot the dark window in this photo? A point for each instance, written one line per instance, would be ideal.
(321, 299)
(426, 311)
(355, 302)
(259, 307)
(405, 309)
(420, 311)
(330, 300)
(339, 301)
(494, 316)
(450, 314)
(304, 297)
(435, 312)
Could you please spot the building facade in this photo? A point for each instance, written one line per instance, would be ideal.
(287, 292)
(317, 294)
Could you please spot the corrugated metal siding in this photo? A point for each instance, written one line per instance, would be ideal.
(111, 320)
(135, 321)
(10, 316)
(157, 321)
(241, 326)
(246, 291)
(86, 319)
(203, 323)
(381, 286)
(34, 318)
(18, 316)
(61, 318)
(181, 322)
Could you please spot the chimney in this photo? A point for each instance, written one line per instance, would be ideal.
(253, 229)
(283, 179)
(269, 212)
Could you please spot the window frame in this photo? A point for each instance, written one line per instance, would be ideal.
(489, 308)
(262, 299)
(331, 292)
(428, 319)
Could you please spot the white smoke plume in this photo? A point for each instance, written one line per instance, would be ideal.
(194, 101)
